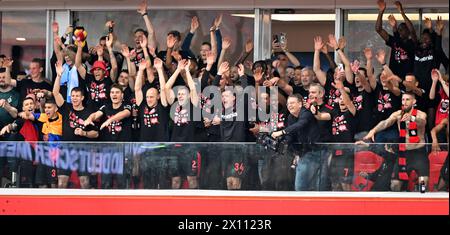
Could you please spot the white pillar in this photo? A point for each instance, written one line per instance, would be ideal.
(64, 19)
(263, 31)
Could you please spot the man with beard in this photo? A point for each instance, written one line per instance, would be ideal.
(22, 130)
(9, 100)
(412, 153)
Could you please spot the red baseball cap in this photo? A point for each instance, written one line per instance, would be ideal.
(100, 65)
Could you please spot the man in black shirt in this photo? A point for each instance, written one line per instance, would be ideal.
(301, 131)
(73, 125)
(387, 98)
(363, 100)
(116, 127)
(98, 82)
(184, 114)
(37, 84)
(316, 101)
(154, 122)
(343, 130)
(273, 168)
(401, 60)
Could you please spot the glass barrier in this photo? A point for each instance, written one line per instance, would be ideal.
(266, 165)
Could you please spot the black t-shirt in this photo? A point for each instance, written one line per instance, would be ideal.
(401, 61)
(154, 123)
(364, 103)
(98, 91)
(73, 119)
(232, 127)
(184, 127)
(342, 127)
(332, 94)
(138, 58)
(300, 90)
(325, 126)
(426, 59)
(116, 131)
(26, 86)
(386, 104)
(276, 121)
(208, 109)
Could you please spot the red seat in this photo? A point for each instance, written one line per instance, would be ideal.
(437, 160)
(74, 180)
(365, 161)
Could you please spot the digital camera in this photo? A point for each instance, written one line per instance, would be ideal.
(265, 140)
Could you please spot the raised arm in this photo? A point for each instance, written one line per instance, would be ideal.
(345, 97)
(144, 44)
(435, 78)
(7, 63)
(212, 33)
(379, 23)
(130, 65)
(330, 60)
(410, 26)
(290, 56)
(339, 46)
(246, 53)
(321, 75)
(381, 58)
(59, 99)
(369, 67)
(392, 22)
(162, 81)
(112, 58)
(151, 31)
(168, 87)
(138, 85)
(191, 85)
(226, 43)
(170, 42)
(186, 46)
(57, 42)
(78, 64)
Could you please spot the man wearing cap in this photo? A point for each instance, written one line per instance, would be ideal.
(98, 82)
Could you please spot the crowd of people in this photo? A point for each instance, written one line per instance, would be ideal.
(114, 92)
